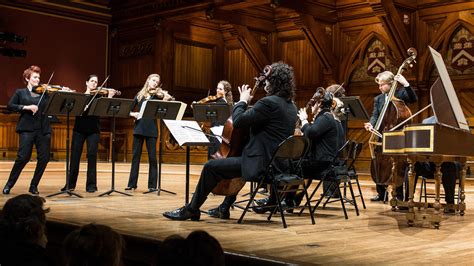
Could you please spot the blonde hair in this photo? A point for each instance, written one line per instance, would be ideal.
(228, 91)
(143, 93)
(384, 77)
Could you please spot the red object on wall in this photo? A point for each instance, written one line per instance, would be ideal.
(72, 48)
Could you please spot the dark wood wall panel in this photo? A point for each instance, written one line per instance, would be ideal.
(193, 66)
(239, 70)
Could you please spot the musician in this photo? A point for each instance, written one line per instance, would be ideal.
(406, 94)
(224, 95)
(86, 128)
(268, 121)
(146, 130)
(33, 129)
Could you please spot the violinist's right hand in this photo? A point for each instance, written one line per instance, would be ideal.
(134, 114)
(368, 126)
(33, 108)
(245, 93)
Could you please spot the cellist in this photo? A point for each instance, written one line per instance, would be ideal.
(406, 94)
(268, 121)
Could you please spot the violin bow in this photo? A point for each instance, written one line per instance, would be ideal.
(45, 89)
(95, 94)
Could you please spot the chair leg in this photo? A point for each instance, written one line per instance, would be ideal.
(282, 214)
(353, 197)
(320, 199)
(309, 204)
(342, 203)
(310, 198)
(360, 192)
(252, 197)
(424, 185)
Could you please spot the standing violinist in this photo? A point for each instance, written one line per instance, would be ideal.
(224, 95)
(268, 120)
(33, 129)
(86, 128)
(146, 130)
(406, 94)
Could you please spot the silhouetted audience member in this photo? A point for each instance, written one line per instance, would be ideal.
(199, 248)
(22, 232)
(93, 244)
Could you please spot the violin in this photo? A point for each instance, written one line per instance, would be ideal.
(40, 89)
(105, 91)
(161, 94)
(210, 98)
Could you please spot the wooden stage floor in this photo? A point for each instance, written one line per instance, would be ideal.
(378, 235)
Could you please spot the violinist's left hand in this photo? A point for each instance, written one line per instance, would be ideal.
(402, 80)
(63, 88)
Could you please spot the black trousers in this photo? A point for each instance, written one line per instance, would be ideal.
(152, 161)
(77, 145)
(212, 173)
(449, 170)
(381, 189)
(27, 140)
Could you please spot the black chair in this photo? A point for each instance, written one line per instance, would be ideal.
(289, 154)
(337, 175)
(354, 154)
(430, 180)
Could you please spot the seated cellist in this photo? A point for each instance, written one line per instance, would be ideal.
(268, 121)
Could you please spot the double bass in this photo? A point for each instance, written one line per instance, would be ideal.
(233, 142)
(394, 112)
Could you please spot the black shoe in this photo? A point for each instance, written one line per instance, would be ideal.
(221, 213)
(264, 208)
(33, 190)
(64, 189)
(6, 190)
(183, 213)
(402, 208)
(130, 188)
(377, 198)
(262, 202)
(89, 190)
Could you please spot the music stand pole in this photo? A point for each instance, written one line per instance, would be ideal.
(115, 110)
(69, 105)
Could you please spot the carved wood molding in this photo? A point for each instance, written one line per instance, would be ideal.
(250, 46)
(387, 13)
(145, 47)
(319, 40)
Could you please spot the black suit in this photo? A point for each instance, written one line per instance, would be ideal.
(145, 130)
(405, 94)
(86, 129)
(271, 120)
(33, 130)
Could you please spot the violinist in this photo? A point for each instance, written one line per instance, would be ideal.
(33, 129)
(268, 121)
(146, 130)
(406, 94)
(223, 95)
(86, 129)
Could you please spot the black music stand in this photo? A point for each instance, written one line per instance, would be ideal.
(111, 107)
(66, 103)
(187, 133)
(354, 110)
(156, 109)
(211, 112)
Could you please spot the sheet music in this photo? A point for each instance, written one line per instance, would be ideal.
(186, 131)
(142, 110)
(217, 131)
(179, 114)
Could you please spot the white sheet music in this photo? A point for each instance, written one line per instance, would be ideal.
(186, 131)
(217, 131)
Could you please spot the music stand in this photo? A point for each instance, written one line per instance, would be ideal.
(157, 109)
(353, 109)
(111, 107)
(187, 133)
(211, 112)
(66, 103)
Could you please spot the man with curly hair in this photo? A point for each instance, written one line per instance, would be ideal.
(271, 120)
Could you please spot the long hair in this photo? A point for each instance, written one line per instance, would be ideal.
(29, 71)
(143, 93)
(282, 81)
(228, 91)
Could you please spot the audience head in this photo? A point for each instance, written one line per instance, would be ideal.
(199, 248)
(23, 219)
(93, 244)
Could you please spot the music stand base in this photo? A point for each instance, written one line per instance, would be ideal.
(164, 190)
(68, 192)
(112, 191)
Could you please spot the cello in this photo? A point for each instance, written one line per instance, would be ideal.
(233, 142)
(393, 112)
